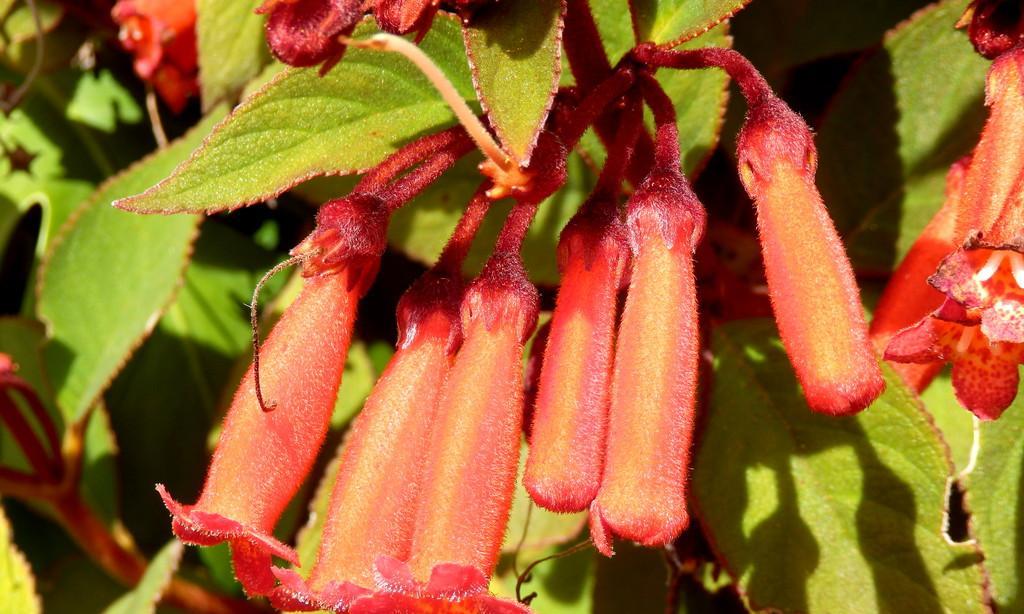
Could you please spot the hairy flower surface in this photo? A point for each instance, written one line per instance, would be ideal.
(810, 281)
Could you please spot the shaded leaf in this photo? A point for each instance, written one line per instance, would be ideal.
(302, 125)
(515, 50)
(99, 483)
(230, 46)
(17, 583)
(778, 34)
(143, 598)
(670, 22)
(800, 506)
(995, 499)
(108, 277)
(910, 110)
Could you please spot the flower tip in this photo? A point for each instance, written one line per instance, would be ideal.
(846, 398)
(599, 533)
(773, 133)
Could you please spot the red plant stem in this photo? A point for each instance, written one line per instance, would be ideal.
(40, 412)
(666, 152)
(455, 251)
(514, 231)
(594, 104)
(407, 187)
(589, 64)
(610, 180)
(753, 85)
(409, 155)
(45, 466)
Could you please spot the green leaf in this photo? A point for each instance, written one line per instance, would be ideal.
(670, 22)
(952, 420)
(143, 598)
(616, 31)
(108, 277)
(515, 50)
(778, 34)
(302, 125)
(99, 485)
(801, 507)
(17, 584)
(101, 102)
(230, 47)
(995, 499)
(910, 110)
(421, 228)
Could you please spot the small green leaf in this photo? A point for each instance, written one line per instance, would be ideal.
(616, 31)
(801, 507)
(101, 102)
(670, 22)
(99, 485)
(17, 583)
(108, 277)
(911, 109)
(995, 499)
(230, 46)
(515, 50)
(302, 125)
(143, 598)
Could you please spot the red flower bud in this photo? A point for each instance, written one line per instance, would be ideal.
(991, 184)
(305, 32)
(643, 490)
(404, 16)
(563, 471)
(908, 297)
(263, 456)
(474, 448)
(810, 281)
(372, 509)
(994, 26)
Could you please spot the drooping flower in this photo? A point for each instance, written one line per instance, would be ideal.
(373, 504)
(654, 382)
(810, 280)
(263, 456)
(161, 35)
(908, 297)
(994, 26)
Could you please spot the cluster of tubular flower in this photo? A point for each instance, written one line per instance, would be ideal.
(419, 508)
(958, 295)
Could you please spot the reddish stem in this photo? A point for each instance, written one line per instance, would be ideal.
(610, 180)
(46, 467)
(403, 159)
(458, 245)
(36, 406)
(514, 231)
(666, 142)
(753, 85)
(595, 104)
(405, 188)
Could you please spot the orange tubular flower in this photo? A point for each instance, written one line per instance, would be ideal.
(265, 453)
(373, 504)
(998, 160)
(810, 281)
(563, 470)
(908, 297)
(653, 399)
(474, 450)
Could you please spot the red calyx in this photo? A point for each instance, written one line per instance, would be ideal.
(994, 26)
(305, 32)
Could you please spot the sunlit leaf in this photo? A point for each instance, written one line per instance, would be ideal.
(231, 47)
(670, 22)
(143, 598)
(17, 583)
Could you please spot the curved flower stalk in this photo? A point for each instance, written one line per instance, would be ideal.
(642, 496)
(810, 280)
(263, 456)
